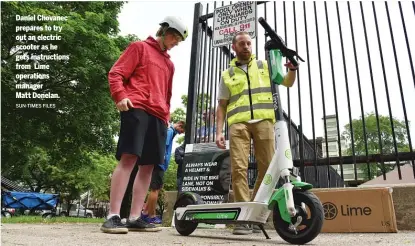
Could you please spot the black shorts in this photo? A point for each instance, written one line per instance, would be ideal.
(142, 134)
(157, 178)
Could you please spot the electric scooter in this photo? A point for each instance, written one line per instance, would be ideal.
(297, 213)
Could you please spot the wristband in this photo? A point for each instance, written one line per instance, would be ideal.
(293, 69)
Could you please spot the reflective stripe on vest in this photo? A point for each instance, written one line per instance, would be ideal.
(235, 98)
(248, 108)
(258, 63)
(246, 92)
(259, 93)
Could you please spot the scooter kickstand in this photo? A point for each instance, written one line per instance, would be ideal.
(263, 230)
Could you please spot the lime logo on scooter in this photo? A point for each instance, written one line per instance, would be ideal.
(275, 99)
(267, 179)
(330, 211)
(215, 214)
(288, 154)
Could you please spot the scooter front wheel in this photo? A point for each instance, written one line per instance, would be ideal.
(306, 224)
(186, 227)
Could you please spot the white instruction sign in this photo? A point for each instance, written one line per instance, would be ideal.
(228, 20)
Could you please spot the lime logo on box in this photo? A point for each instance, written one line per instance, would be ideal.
(267, 179)
(331, 211)
(288, 154)
(355, 211)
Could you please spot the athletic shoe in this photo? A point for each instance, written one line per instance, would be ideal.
(140, 225)
(154, 220)
(114, 225)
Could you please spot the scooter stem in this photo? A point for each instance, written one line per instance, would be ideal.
(288, 191)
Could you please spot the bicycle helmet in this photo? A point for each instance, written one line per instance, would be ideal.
(177, 24)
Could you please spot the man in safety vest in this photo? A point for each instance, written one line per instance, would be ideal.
(245, 97)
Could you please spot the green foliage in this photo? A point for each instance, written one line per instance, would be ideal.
(67, 149)
(372, 139)
(180, 139)
(161, 204)
(184, 100)
(94, 176)
(169, 185)
(178, 114)
(170, 175)
(203, 102)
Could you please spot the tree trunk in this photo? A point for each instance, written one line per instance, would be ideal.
(68, 206)
(126, 202)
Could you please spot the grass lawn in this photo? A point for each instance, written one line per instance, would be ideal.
(39, 219)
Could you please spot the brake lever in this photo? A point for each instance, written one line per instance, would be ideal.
(277, 42)
(294, 54)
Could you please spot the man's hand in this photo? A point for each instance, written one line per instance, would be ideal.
(220, 141)
(290, 76)
(124, 105)
(290, 66)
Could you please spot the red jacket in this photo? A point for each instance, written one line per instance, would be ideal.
(144, 74)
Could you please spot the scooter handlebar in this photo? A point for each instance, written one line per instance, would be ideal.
(278, 43)
(270, 32)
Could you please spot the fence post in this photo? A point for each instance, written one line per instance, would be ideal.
(193, 78)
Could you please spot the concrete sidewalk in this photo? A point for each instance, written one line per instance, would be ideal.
(89, 234)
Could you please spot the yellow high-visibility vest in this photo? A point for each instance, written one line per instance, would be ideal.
(251, 96)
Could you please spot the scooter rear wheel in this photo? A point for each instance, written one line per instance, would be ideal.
(186, 227)
(312, 219)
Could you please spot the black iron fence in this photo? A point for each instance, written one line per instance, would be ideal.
(350, 108)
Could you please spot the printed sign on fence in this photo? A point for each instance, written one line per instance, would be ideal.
(228, 20)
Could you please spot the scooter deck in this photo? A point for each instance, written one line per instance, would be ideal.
(225, 213)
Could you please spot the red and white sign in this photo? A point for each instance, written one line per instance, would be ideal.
(228, 20)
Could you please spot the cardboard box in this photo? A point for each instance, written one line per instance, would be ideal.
(357, 209)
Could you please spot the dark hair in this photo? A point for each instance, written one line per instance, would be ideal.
(182, 123)
(238, 34)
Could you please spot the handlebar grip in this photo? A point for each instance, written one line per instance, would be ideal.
(264, 24)
(293, 60)
(271, 33)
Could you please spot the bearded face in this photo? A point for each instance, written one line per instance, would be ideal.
(242, 47)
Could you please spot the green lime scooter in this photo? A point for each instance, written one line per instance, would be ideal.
(297, 213)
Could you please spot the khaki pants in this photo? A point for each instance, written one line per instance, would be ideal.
(239, 140)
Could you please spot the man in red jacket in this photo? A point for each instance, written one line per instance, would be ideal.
(141, 86)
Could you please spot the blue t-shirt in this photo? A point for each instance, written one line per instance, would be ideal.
(171, 133)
